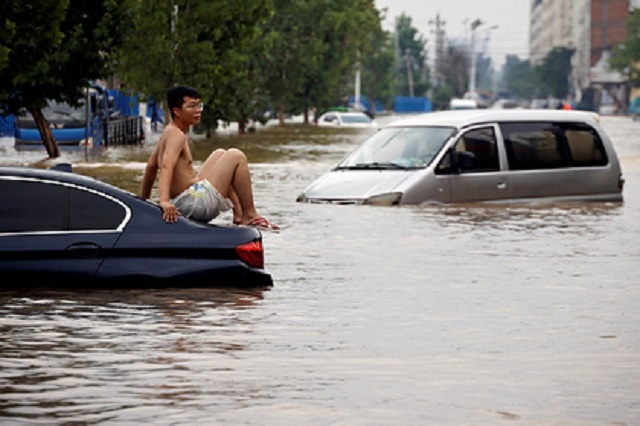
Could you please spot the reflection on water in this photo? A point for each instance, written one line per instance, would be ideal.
(448, 315)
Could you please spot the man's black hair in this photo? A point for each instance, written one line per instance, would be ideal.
(176, 95)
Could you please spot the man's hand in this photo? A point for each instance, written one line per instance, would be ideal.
(169, 212)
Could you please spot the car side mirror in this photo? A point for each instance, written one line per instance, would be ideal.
(462, 160)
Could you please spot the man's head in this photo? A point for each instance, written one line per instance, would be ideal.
(182, 95)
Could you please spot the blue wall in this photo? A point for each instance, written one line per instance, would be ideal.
(407, 104)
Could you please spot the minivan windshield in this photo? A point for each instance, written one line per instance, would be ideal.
(398, 148)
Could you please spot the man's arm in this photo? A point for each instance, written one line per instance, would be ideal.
(150, 173)
(174, 145)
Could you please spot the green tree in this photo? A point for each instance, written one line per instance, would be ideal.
(377, 68)
(442, 96)
(626, 56)
(212, 45)
(553, 73)
(519, 77)
(412, 73)
(7, 32)
(315, 50)
(349, 30)
(456, 64)
(54, 48)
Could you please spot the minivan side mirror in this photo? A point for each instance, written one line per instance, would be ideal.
(462, 160)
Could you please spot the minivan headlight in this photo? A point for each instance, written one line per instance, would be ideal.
(388, 199)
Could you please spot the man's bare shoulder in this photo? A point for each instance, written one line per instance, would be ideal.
(172, 135)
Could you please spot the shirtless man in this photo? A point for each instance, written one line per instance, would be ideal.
(223, 182)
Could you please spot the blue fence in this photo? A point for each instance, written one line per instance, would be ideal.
(7, 125)
(126, 104)
(407, 104)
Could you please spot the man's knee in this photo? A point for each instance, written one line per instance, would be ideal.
(236, 153)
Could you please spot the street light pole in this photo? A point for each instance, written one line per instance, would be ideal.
(472, 77)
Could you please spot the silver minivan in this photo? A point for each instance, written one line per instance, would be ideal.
(480, 155)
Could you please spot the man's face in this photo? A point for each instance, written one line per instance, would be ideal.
(191, 110)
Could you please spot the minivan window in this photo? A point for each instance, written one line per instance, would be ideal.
(408, 147)
(585, 146)
(533, 146)
(476, 151)
(552, 145)
(481, 143)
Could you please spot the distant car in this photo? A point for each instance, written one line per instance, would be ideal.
(477, 156)
(346, 119)
(506, 104)
(59, 228)
(457, 104)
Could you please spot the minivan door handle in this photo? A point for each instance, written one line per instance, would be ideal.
(502, 185)
(84, 250)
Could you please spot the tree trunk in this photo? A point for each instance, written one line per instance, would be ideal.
(242, 126)
(281, 113)
(45, 132)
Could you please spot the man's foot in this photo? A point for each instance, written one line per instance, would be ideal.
(263, 224)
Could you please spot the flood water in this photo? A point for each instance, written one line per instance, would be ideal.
(458, 315)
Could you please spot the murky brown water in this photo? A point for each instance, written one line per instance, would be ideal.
(440, 315)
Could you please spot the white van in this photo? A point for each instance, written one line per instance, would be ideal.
(457, 103)
(480, 155)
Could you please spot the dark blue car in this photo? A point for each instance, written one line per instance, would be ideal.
(58, 228)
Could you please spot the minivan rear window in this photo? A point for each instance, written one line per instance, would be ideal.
(533, 146)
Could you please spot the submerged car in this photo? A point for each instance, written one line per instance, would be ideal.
(63, 229)
(481, 155)
(346, 119)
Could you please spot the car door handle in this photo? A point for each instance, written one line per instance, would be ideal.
(502, 185)
(84, 250)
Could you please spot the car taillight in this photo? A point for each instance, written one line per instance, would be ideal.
(252, 254)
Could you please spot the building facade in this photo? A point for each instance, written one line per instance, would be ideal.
(592, 28)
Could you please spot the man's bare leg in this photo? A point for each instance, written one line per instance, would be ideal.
(228, 171)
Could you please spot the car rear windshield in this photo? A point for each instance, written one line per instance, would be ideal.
(356, 119)
(407, 147)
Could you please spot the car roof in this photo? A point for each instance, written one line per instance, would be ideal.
(68, 177)
(358, 113)
(465, 118)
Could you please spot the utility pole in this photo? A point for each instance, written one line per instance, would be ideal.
(438, 63)
(356, 102)
(472, 75)
(409, 71)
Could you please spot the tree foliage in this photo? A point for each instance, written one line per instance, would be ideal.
(212, 45)
(520, 78)
(626, 56)
(54, 48)
(377, 68)
(317, 46)
(553, 73)
(456, 64)
(412, 71)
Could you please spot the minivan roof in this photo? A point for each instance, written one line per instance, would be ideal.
(463, 118)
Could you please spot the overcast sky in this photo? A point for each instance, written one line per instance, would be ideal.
(510, 16)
